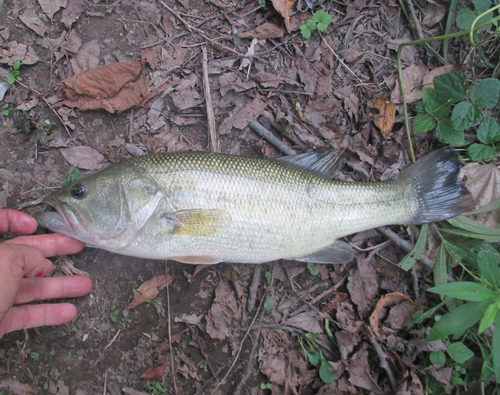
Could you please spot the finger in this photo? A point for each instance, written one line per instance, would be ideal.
(33, 289)
(33, 316)
(16, 222)
(18, 261)
(50, 245)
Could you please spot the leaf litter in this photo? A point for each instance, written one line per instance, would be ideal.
(140, 64)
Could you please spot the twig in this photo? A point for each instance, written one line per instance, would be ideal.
(57, 115)
(113, 339)
(255, 125)
(201, 33)
(200, 391)
(383, 360)
(254, 286)
(105, 379)
(214, 142)
(170, 331)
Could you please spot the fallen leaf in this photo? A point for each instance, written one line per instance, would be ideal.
(354, 8)
(347, 342)
(264, 31)
(30, 19)
(83, 157)
(483, 181)
(109, 87)
(363, 286)
(359, 372)
(274, 367)
(50, 7)
(306, 73)
(165, 346)
(16, 387)
(149, 290)
(224, 310)
(429, 77)
(412, 79)
(309, 321)
(72, 12)
(433, 13)
(19, 52)
(381, 304)
(283, 7)
(191, 319)
(87, 57)
(150, 57)
(332, 304)
(387, 109)
(154, 373)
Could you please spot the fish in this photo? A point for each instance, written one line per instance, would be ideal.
(206, 208)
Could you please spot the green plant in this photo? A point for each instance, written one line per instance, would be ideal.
(266, 386)
(5, 111)
(204, 366)
(262, 3)
(468, 109)
(156, 303)
(134, 288)
(156, 388)
(74, 175)
(14, 73)
(113, 315)
(48, 379)
(270, 303)
(32, 354)
(320, 20)
(125, 322)
(312, 269)
(315, 357)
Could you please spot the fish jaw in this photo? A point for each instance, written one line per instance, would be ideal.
(54, 222)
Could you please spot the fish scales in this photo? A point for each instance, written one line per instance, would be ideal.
(205, 208)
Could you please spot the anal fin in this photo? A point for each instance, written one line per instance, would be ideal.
(338, 252)
(197, 260)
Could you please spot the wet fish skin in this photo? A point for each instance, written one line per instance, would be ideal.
(206, 208)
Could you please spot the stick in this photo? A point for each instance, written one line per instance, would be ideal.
(170, 331)
(255, 125)
(254, 287)
(113, 339)
(383, 360)
(214, 142)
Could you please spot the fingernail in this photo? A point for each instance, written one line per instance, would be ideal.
(39, 274)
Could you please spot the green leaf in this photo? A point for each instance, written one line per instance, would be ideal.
(323, 19)
(74, 175)
(465, 18)
(313, 358)
(482, 5)
(270, 304)
(34, 355)
(440, 269)
(16, 65)
(488, 318)
(465, 290)
(495, 348)
(456, 252)
(486, 93)
(409, 260)
(437, 358)
(465, 115)
(312, 269)
(451, 87)
(447, 134)
(326, 372)
(432, 105)
(457, 321)
(311, 25)
(459, 352)
(11, 79)
(489, 131)
(481, 152)
(268, 276)
(422, 124)
(487, 262)
(491, 207)
(306, 33)
(473, 226)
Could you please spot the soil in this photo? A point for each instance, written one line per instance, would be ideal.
(206, 315)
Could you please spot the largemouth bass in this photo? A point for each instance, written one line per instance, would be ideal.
(196, 207)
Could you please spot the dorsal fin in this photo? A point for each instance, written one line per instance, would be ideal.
(324, 162)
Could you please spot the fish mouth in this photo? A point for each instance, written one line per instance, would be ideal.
(65, 220)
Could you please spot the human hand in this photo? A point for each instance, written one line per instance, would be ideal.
(23, 265)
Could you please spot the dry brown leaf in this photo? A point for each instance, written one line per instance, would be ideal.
(50, 7)
(19, 52)
(332, 305)
(30, 19)
(309, 321)
(109, 87)
(386, 123)
(359, 372)
(16, 387)
(383, 302)
(429, 77)
(363, 286)
(149, 290)
(72, 12)
(154, 373)
(412, 79)
(433, 13)
(283, 7)
(483, 181)
(150, 57)
(84, 157)
(266, 30)
(224, 310)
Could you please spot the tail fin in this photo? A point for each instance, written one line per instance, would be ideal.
(434, 183)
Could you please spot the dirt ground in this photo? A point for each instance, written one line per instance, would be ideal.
(325, 86)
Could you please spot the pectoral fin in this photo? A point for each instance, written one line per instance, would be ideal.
(339, 252)
(197, 222)
(197, 260)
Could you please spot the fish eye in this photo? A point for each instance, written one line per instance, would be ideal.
(78, 191)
